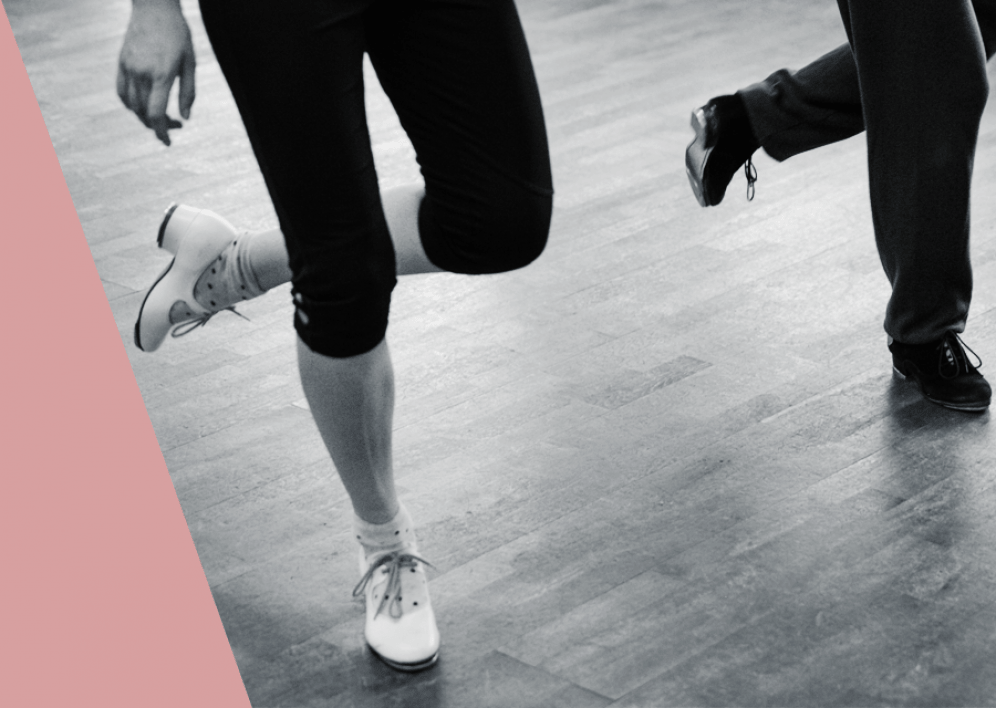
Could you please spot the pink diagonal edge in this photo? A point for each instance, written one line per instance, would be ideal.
(104, 602)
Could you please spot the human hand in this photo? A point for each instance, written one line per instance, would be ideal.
(157, 50)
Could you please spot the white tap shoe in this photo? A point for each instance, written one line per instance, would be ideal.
(400, 626)
(196, 238)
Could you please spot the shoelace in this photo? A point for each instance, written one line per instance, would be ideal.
(750, 172)
(190, 325)
(396, 562)
(957, 355)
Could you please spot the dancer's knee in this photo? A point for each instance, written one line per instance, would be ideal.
(505, 229)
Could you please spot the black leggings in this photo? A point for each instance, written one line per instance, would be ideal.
(459, 76)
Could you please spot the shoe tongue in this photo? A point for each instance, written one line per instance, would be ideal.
(953, 359)
(373, 558)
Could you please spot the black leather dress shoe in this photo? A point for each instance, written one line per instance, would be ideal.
(942, 370)
(723, 143)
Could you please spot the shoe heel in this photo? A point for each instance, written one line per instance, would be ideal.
(176, 224)
(212, 232)
(696, 155)
(698, 123)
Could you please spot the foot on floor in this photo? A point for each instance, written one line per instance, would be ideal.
(943, 372)
(400, 624)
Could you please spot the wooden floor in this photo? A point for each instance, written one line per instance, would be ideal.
(666, 465)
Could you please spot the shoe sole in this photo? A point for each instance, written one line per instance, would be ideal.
(407, 668)
(696, 155)
(159, 242)
(961, 407)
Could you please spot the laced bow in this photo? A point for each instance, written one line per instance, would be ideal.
(950, 353)
(190, 325)
(395, 563)
(750, 172)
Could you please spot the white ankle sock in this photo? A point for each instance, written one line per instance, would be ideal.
(397, 534)
(230, 278)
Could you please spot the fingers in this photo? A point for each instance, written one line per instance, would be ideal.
(156, 101)
(134, 93)
(141, 89)
(161, 125)
(147, 98)
(186, 97)
(128, 92)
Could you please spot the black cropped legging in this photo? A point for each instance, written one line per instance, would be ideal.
(459, 75)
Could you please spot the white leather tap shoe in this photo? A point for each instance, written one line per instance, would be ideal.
(401, 626)
(196, 238)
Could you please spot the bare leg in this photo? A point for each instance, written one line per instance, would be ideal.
(352, 402)
(352, 399)
(401, 207)
(260, 260)
(266, 253)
